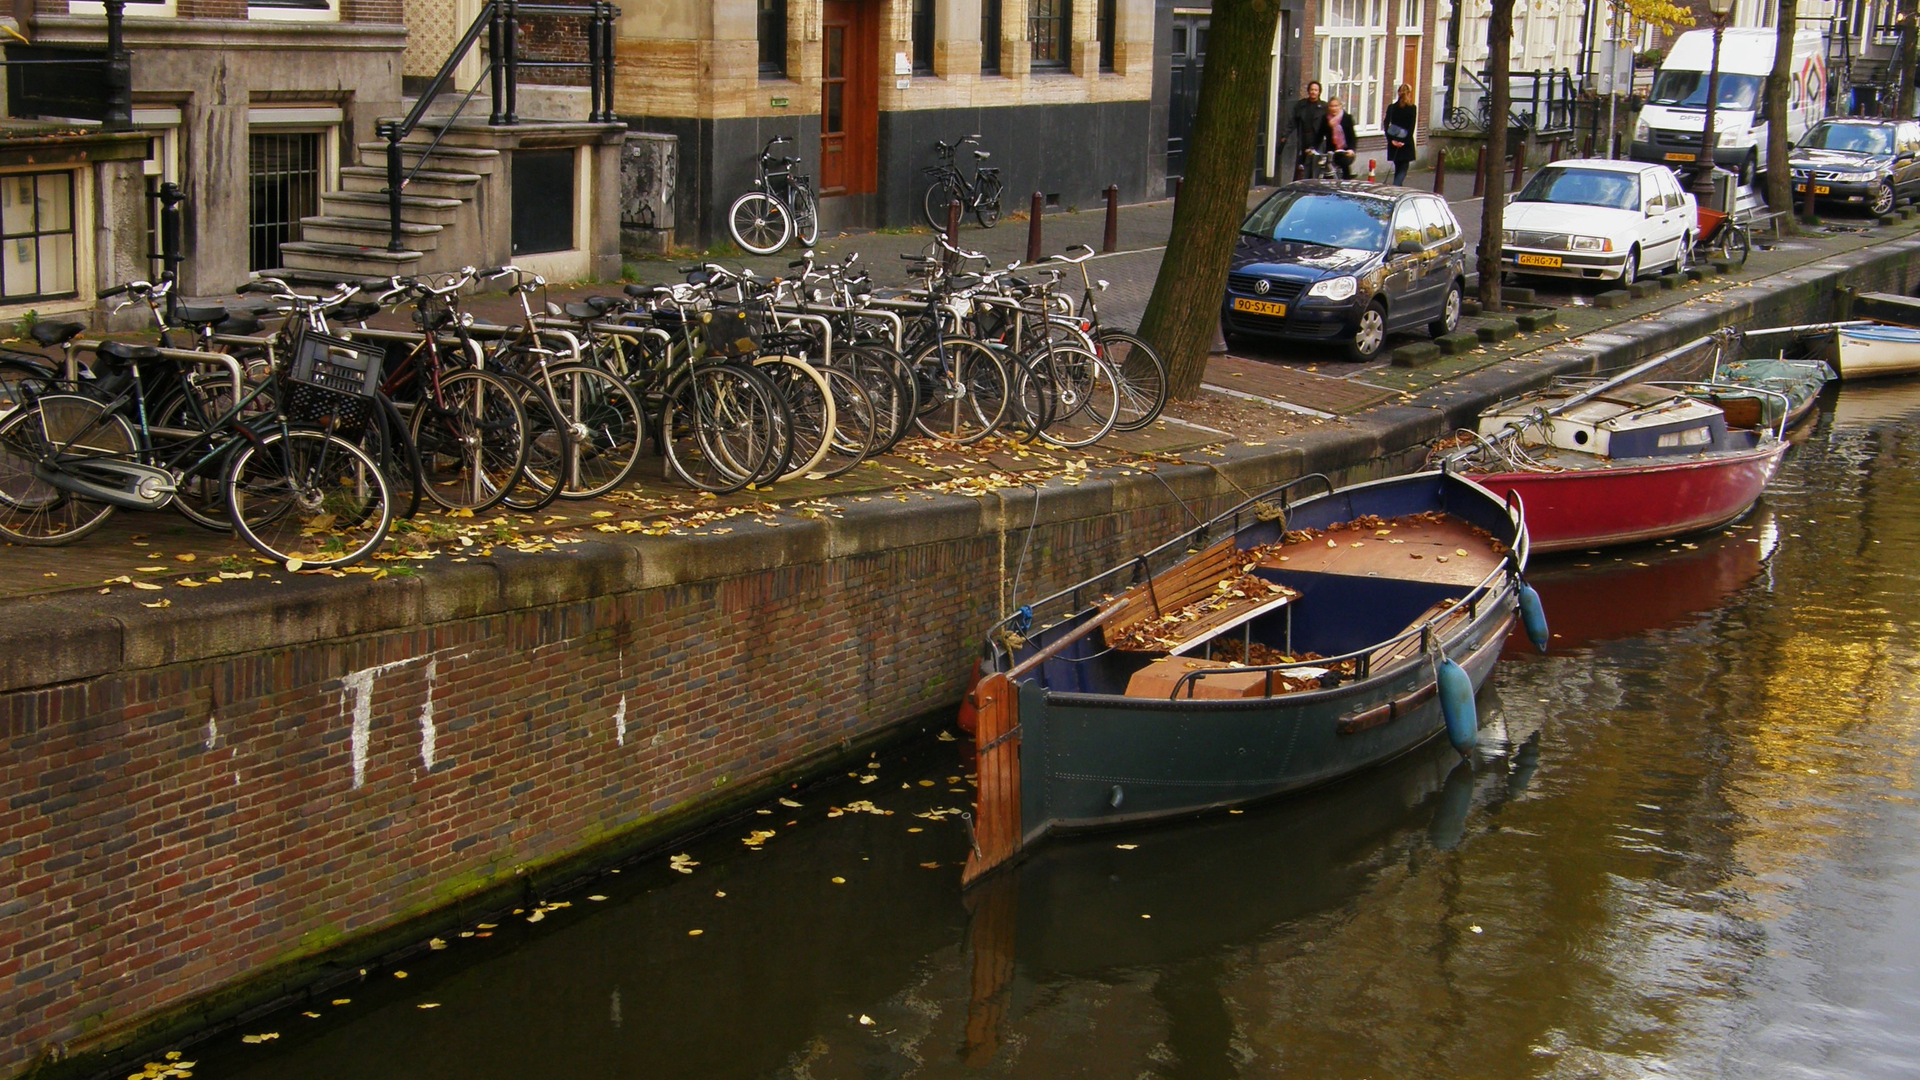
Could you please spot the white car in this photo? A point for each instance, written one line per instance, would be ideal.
(1602, 219)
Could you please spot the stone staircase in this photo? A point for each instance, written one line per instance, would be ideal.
(348, 238)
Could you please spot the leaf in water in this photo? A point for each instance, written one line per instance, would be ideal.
(946, 736)
(695, 933)
(260, 1038)
(931, 865)
(839, 881)
(788, 802)
(596, 898)
(1126, 847)
(684, 863)
(865, 1020)
(428, 1005)
(485, 926)
(342, 1001)
(916, 828)
(536, 916)
(311, 1015)
(399, 974)
(437, 944)
(1462, 552)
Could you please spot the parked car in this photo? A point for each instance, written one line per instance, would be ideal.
(1326, 260)
(1870, 163)
(1596, 218)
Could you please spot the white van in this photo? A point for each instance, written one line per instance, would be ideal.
(1671, 121)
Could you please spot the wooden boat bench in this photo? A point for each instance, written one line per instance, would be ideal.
(1192, 582)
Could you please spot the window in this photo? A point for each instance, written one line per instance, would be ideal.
(1407, 225)
(990, 37)
(1353, 37)
(37, 234)
(1436, 220)
(284, 171)
(923, 37)
(1049, 22)
(773, 38)
(1108, 27)
(295, 10)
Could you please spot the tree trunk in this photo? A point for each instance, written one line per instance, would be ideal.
(1500, 94)
(1779, 181)
(1901, 66)
(1185, 306)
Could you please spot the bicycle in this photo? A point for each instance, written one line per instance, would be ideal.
(1141, 373)
(1722, 236)
(979, 195)
(780, 209)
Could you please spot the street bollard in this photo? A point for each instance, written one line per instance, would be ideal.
(1440, 172)
(1519, 167)
(953, 222)
(1033, 227)
(1373, 167)
(1807, 212)
(1112, 240)
(1177, 181)
(1480, 172)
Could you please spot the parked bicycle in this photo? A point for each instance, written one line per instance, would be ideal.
(781, 207)
(1723, 237)
(978, 195)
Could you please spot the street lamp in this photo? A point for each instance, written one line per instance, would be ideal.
(1703, 171)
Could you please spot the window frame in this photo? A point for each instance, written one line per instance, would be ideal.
(992, 21)
(771, 15)
(294, 10)
(1107, 25)
(1060, 15)
(923, 25)
(73, 232)
(1360, 32)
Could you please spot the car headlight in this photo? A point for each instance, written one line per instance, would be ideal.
(1728, 138)
(1642, 132)
(1340, 288)
(1855, 177)
(1508, 237)
(1589, 243)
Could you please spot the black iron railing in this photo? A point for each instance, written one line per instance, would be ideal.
(109, 100)
(499, 20)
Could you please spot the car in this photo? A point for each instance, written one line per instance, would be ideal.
(1326, 260)
(1870, 163)
(1600, 219)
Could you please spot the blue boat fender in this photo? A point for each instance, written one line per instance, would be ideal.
(1456, 704)
(1533, 616)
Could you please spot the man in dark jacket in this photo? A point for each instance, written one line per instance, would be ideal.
(1302, 128)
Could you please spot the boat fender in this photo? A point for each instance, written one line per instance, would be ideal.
(1533, 616)
(1456, 704)
(1116, 797)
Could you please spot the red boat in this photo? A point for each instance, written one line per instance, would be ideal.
(1597, 464)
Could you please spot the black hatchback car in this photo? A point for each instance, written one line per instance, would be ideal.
(1864, 162)
(1331, 260)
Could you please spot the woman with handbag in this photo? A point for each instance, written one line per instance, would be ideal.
(1403, 116)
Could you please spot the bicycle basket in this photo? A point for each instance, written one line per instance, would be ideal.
(330, 377)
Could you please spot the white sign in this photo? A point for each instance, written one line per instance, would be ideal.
(902, 65)
(1613, 73)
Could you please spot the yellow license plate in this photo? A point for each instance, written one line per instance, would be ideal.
(1549, 262)
(1818, 189)
(1679, 157)
(1259, 307)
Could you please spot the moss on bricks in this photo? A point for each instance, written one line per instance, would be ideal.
(1457, 342)
(1497, 329)
(1416, 354)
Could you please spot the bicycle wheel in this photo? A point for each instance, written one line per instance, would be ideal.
(854, 424)
(387, 440)
(970, 391)
(1033, 398)
(717, 427)
(1142, 377)
(472, 442)
(1734, 243)
(604, 420)
(888, 381)
(759, 223)
(310, 496)
(810, 407)
(1089, 397)
(549, 448)
(806, 215)
(33, 511)
(986, 206)
(934, 203)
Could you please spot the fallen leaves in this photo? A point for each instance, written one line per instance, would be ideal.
(684, 863)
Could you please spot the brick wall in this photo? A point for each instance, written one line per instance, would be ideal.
(371, 11)
(554, 37)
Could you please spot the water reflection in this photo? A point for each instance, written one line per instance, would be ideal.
(1684, 850)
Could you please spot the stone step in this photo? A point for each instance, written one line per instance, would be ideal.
(367, 232)
(429, 183)
(473, 159)
(348, 261)
(366, 204)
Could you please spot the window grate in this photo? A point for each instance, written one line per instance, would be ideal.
(37, 236)
(772, 31)
(284, 173)
(1049, 23)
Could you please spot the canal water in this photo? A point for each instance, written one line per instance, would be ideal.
(1688, 846)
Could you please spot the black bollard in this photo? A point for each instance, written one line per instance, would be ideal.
(1112, 240)
(1033, 227)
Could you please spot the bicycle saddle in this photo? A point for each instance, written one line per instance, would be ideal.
(55, 333)
(197, 317)
(982, 155)
(586, 312)
(358, 311)
(638, 291)
(239, 324)
(121, 354)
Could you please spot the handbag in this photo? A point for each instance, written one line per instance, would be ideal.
(1396, 132)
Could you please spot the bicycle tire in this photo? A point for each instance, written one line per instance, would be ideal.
(33, 511)
(855, 425)
(934, 202)
(1142, 375)
(759, 223)
(1089, 397)
(607, 425)
(473, 449)
(549, 448)
(972, 391)
(1032, 398)
(889, 383)
(806, 215)
(397, 455)
(810, 411)
(986, 206)
(716, 427)
(311, 496)
(199, 495)
(1735, 245)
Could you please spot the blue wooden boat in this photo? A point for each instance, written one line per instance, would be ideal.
(1285, 644)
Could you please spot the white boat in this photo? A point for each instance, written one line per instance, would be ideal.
(1877, 350)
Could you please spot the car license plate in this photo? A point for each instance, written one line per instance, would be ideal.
(1549, 262)
(1818, 189)
(1259, 307)
(1679, 157)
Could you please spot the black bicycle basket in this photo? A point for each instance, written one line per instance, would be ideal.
(330, 377)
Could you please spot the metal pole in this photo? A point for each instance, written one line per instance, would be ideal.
(170, 258)
(1703, 174)
(119, 113)
(497, 64)
(396, 179)
(511, 32)
(1033, 227)
(1111, 242)
(1440, 170)
(593, 63)
(608, 51)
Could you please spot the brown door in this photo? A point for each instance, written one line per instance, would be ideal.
(849, 99)
(1409, 69)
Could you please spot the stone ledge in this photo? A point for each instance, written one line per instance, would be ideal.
(1497, 329)
(1416, 354)
(1612, 298)
(1457, 342)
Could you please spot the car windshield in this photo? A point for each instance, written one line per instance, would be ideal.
(1690, 88)
(1859, 138)
(1320, 217)
(1587, 187)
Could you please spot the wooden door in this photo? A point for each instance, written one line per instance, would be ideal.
(849, 99)
(1409, 70)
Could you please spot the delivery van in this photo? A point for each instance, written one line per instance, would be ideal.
(1675, 114)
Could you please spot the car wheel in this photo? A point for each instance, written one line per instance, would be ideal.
(1630, 273)
(1882, 199)
(1684, 258)
(1449, 313)
(1371, 334)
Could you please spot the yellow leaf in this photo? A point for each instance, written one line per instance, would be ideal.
(294, 565)
(189, 583)
(437, 943)
(148, 585)
(342, 1001)
(596, 897)
(186, 558)
(839, 881)
(149, 569)
(1126, 847)
(428, 1005)
(159, 604)
(399, 974)
(603, 513)
(695, 933)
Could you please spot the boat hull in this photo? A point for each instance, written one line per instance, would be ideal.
(1876, 352)
(1627, 504)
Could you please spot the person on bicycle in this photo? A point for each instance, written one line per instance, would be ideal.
(1302, 129)
(1336, 136)
(1401, 119)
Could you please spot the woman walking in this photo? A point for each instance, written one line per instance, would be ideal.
(1403, 116)
(1336, 136)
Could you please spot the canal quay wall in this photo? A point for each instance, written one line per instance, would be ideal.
(208, 807)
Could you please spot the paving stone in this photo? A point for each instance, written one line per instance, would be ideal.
(1696, 273)
(1905, 212)
(1643, 289)
(1722, 266)
(1612, 298)
(1536, 320)
(1457, 342)
(1514, 294)
(1497, 329)
(1416, 354)
(1670, 282)
(1469, 307)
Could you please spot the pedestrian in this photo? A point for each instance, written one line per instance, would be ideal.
(1403, 116)
(1336, 136)
(1302, 128)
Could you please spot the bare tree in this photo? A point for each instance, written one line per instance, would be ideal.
(1500, 104)
(1779, 182)
(1185, 305)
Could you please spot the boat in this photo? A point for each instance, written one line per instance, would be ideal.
(1857, 349)
(1285, 644)
(1623, 460)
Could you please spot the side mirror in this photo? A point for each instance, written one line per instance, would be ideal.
(1511, 195)
(1409, 247)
